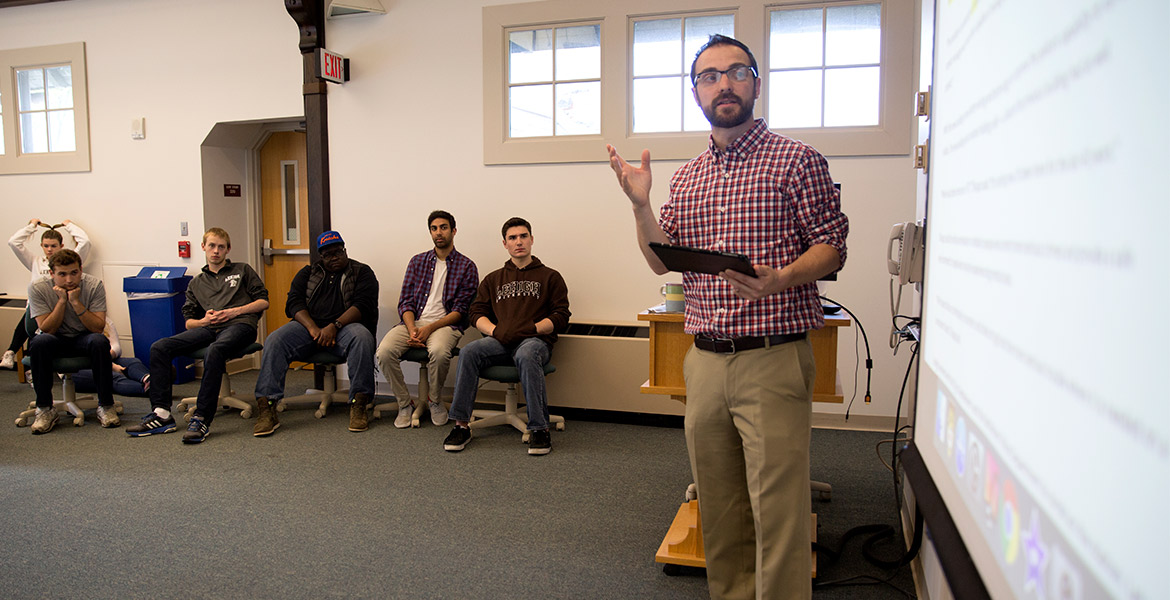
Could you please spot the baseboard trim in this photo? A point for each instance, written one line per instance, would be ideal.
(855, 422)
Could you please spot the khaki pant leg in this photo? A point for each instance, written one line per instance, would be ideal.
(389, 354)
(716, 452)
(439, 345)
(775, 386)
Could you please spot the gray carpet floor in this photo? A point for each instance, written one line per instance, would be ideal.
(316, 511)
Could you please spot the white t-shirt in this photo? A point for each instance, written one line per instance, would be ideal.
(434, 310)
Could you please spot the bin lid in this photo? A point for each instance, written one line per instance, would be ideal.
(157, 279)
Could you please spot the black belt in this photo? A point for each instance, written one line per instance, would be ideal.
(733, 345)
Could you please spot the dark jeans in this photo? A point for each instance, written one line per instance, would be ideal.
(44, 347)
(529, 357)
(222, 345)
(18, 337)
(125, 384)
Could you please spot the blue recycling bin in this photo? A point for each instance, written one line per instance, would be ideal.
(155, 297)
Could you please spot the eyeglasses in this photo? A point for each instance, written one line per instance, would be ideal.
(738, 74)
(331, 252)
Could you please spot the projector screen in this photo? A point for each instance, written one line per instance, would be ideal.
(1040, 415)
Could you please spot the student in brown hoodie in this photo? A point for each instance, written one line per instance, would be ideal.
(519, 309)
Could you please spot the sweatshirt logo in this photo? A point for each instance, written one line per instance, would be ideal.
(516, 289)
(233, 280)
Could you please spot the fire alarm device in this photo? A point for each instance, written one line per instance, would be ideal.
(184, 249)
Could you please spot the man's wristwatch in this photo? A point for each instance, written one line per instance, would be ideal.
(337, 324)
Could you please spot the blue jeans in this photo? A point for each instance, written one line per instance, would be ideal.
(44, 347)
(529, 356)
(222, 346)
(292, 341)
(128, 384)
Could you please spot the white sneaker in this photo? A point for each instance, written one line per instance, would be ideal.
(405, 416)
(108, 416)
(438, 413)
(9, 360)
(45, 420)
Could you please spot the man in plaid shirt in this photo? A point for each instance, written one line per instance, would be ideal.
(436, 291)
(750, 375)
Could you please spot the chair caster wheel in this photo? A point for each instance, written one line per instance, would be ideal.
(560, 426)
(524, 438)
(78, 421)
(246, 413)
(22, 422)
(320, 414)
(414, 423)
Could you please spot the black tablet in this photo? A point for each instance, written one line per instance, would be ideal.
(682, 258)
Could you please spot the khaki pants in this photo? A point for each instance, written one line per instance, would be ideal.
(439, 345)
(747, 428)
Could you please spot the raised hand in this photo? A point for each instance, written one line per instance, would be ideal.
(635, 181)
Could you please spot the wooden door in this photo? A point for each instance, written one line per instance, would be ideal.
(284, 195)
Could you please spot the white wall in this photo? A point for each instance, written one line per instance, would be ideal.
(405, 138)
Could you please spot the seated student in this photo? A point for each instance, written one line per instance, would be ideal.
(520, 308)
(334, 306)
(70, 311)
(131, 377)
(37, 262)
(436, 291)
(223, 306)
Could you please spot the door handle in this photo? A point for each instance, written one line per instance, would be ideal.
(267, 251)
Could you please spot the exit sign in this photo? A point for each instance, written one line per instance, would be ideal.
(333, 66)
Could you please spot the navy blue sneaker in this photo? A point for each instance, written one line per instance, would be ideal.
(152, 424)
(196, 431)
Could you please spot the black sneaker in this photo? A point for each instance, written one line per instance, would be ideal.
(539, 442)
(196, 431)
(152, 424)
(457, 439)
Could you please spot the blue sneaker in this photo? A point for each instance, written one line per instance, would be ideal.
(152, 424)
(196, 431)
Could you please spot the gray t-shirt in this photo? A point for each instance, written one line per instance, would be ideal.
(42, 299)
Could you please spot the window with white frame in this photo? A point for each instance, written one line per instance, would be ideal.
(663, 50)
(554, 81)
(827, 61)
(837, 75)
(43, 110)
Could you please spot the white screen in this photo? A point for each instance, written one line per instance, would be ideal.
(1041, 413)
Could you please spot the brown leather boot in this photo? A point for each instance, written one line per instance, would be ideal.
(266, 421)
(359, 417)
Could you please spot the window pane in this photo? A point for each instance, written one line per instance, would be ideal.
(851, 96)
(33, 133)
(530, 111)
(579, 108)
(60, 92)
(530, 56)
(658, 47)
(290, 189)
(699, 29)
(796, 38)
(795, 99)
(62, 138)
(579, 52)
(854, 35)
(657, 104)
(31, 89)
(693, 117)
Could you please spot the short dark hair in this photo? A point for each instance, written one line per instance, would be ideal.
(64, 256)
(515, 222)
(440, 214)
(52, 234)
(722, 40)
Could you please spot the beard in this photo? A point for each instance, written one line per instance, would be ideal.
(735, 118)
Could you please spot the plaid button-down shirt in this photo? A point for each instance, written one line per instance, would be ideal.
(458, 290)
(768, 197)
